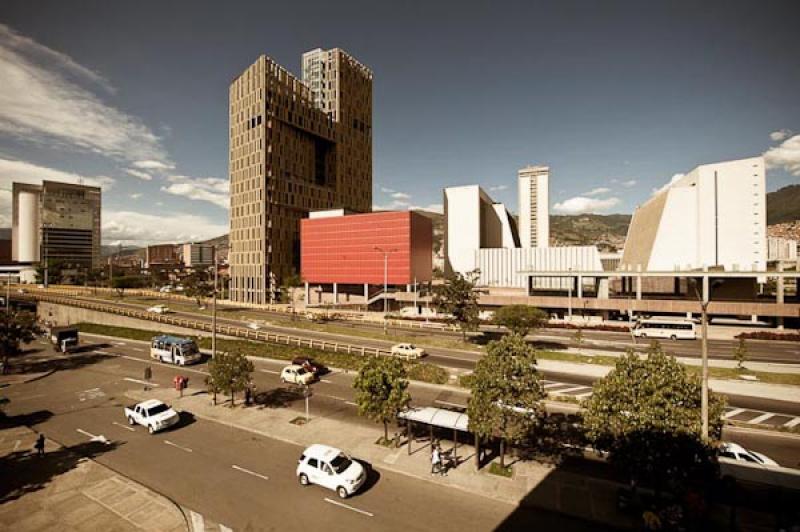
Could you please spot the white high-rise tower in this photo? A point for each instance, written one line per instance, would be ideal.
(534, 210)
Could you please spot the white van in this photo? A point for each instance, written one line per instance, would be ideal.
(674, 329)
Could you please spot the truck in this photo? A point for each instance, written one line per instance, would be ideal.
(174, 350)
(153, 414)
(65, 339)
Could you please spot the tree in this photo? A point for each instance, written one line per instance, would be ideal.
(506, 393)
(229, 373)
(740, 353)
(458, 297)
(382, 390)
(94, 276)
(578, 338)
(646, 414)
(16, 328)
(199, 286)
(290, 284)
(520, 319)
(120, 284)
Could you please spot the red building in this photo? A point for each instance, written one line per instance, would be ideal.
(338, 248)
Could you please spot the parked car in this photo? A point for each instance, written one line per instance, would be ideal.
(153, 414)
(408, 351)
(309, 364)
(159, 309)
(734, 451)
(297, 375)
(253, 325)
(165, 289)
(331, 468)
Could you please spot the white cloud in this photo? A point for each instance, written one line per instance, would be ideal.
(433, 207)
(786, 156)
(581, 204)
(139, 174)
(25, 172)
(136, 195)
(401, 196)
(210, 189)
(497, 188)
(405, 206)
(781, 134)
(153, 165)
(667, 185)
(629, 183)
(386, 190)
(140, 229)
(41, 101)
(599, 191)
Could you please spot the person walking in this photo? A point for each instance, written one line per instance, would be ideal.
(436, 460)
(39, 445)
(148, 374)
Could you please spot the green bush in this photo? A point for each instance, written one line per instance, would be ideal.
(422, 371)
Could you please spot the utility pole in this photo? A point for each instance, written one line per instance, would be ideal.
(214, 309)
(385, 285)
(704, 356)
(46, 264)
(8, 291)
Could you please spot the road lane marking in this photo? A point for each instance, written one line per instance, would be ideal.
(178, 446)
(337, 398)
(450, 404)
(126, 427)
(554, 384)
(119, 343)
(734, 412)
(243, 470)
(569, 390)
(761, 418)
(198, 523)
(583, 395)
(16, 445)
(270, 371)
(792, 423)
(326, 381)
(351, 508)
(28, 397)
(351, 403)
(99, 438)
(102, 352)
(137, 381)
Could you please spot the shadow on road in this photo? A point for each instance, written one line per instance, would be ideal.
(278, 397)
(70, 361)
(24, 472)
(28, 420)
(185, 419)
(373, 476)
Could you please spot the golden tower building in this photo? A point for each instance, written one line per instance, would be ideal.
(295, 146)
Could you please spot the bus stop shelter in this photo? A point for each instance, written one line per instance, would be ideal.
(435, 417)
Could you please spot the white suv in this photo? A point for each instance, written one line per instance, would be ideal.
(297, 375)
(408, 351)
(331, 468)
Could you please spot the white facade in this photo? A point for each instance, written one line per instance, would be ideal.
(25, 234)
(713, 216)
(534, 209)
(473, 221)
(781, 249)
(502, 267)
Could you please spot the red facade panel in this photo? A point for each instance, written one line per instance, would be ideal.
(341, 249)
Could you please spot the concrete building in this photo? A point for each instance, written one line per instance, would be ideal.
(351, 253)
(534, 206)
(56, 222)
(781, 249)
(714, 216)
(162, 256)
(295, 146)
(197, 255)
(473, 221)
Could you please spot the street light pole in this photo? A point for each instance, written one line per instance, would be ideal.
(385, 285)
(704, 356)
(214, 309)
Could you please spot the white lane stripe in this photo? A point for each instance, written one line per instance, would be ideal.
(734, 412)
(583, 395)
(570, 390)
(326, 381)
(102, 352)
(223, 528)
(17, 444)
(137, 381)
(761, 418)
(338, 398)
(270, 371)
(137, 349)
(343, 505)
(198, 523)
(792, 423)
(350, 403)
(123, 426)
(450, 404)
(178, 446)
(554, 384)
(243, 470)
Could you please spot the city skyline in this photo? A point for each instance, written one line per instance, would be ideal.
(614, 105)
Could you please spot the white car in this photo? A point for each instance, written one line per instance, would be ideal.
(153, 414)
(253, 325)
(331, 468)
(408, 351)
(297, 375)
(165, 289)
(734, 451)
(159, 309)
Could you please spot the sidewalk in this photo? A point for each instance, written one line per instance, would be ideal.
(532, 484)
(65, 491)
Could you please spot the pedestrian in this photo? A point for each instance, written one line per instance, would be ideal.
(148, 374)
(436, 460)
(39, 445)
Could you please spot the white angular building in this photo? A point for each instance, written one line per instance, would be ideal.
(714, 216)
(534, 206)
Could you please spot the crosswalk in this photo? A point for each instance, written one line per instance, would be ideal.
(199, 523)
(570, 390)
(760, 417)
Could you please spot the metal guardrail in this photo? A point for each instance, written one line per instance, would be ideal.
(229, 330)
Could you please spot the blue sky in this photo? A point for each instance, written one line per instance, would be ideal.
(617, 97)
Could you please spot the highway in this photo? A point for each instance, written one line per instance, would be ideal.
(232, 477)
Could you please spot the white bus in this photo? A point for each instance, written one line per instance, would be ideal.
(174, 350)
(674, 329)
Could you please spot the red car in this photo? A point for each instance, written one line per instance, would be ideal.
(309, 364)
